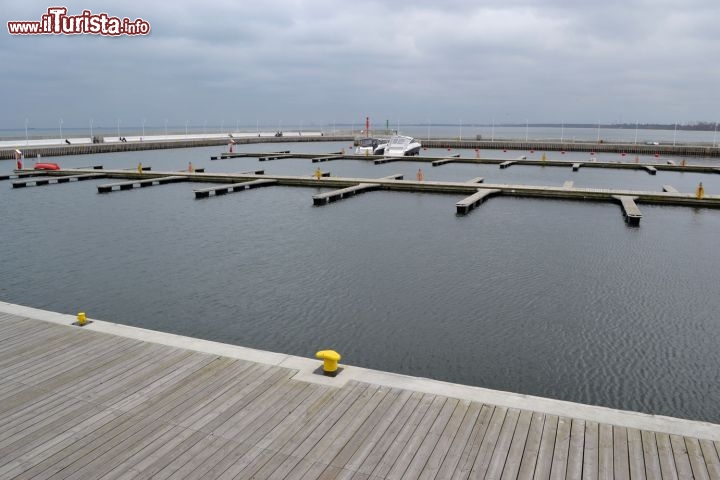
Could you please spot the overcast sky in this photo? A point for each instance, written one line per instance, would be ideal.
(319, 61)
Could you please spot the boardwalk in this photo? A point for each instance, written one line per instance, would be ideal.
(101, 402)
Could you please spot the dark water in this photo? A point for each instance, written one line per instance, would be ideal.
(549, 298)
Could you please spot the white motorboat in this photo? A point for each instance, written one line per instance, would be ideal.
(402, 146)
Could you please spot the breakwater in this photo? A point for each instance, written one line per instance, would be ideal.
(689, 150)
(86, 149)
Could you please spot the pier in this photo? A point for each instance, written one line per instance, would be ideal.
(445, 161)
(44, 180)
(142, 183)
(34, 151)
(630, 209)
(111, 401)
(684, 150)
(335, 195)
(349, 186)
(465, 205)
(503, 162)
(233, 187)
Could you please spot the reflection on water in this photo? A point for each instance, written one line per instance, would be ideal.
(544, 297)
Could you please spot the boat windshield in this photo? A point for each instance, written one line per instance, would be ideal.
(368, 142)
(400, 141)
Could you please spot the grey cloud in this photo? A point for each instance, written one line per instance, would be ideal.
(323, 60)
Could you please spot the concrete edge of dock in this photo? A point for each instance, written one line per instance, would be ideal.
(306, 367)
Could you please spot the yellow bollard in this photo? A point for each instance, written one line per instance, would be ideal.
(318, 173)
(81, 319)
(140, 170)
(330, 360)
(544, 157)
(700, 191)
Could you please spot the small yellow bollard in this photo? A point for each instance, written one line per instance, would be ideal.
(81, 319)
(318, 174)
(140, 170)
(544, 158)
(700, 191)
(330, 360)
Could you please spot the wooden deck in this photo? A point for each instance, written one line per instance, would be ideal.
(83, 404)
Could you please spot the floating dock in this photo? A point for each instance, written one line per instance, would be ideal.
(110, 401)
(630, 209)
(149, 181)
(233, 187)
(45, 180)
(465, 205)
(349, 186)
(503, 162)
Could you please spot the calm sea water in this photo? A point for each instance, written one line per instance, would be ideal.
(552, 298)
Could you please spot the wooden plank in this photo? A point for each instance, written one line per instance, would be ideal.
(697, 461)
(383, 456)
(665, 455)
(369, 455)
(472, 447)
(591, 454)
(307, 434)
(507, 164)
(252, 416)
(502, 447)
(162, 383)
(605, 452)
(650, 169)
(398, 458)
(532, 447)
(126, 425)
(424, 441)
(547, 448)
(330, 443)
(25, 456)
(650, 455)
(635, 454)
(620, 453)
(482, 461)
(562, 447)
(460, 440)
(151, 458)
(379, 419)
(575, 452)
(712, 461)
(446, 440)
(222, 414)
(514, 455)
(235, 458)
(191, 458)
(682, 461)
